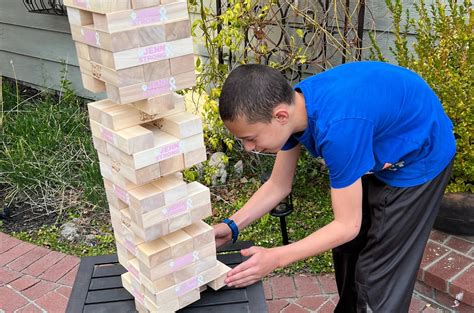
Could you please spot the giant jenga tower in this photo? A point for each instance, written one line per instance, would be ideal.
(140, 52)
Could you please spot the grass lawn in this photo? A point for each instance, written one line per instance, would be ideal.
(49, 176)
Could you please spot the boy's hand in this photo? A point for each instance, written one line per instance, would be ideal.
(261, 262)
(222, 233)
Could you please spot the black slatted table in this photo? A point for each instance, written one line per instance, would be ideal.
(98, 288)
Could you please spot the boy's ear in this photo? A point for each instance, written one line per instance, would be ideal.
(281, 114)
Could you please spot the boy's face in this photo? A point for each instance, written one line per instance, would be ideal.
(260, 136)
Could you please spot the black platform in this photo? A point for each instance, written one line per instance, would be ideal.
(98, 288)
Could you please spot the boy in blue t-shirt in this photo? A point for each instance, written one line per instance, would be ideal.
(389, 148)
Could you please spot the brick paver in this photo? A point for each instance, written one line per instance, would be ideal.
(307, 286)
(438, 274)
(30, 257)
(328, 283)
(53, 302)
(24, 282)
(11, 300)
(283, 287)
(60, 269)
(463, 286)
(40, 289)
(459, 244)
(70, 277)
(15, 252)
(44, 263)
(7, 276)
(312, 302)
(33, 279)
(7, 242)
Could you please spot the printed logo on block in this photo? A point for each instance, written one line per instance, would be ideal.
(184, 260)
(189, 285)
(149, 16)
(121, 194)
(159, 87)
(82, 3)
(107, 135)
(177, 208)
(90, 37)
(155, 53)
(167, 151)
(96, 71)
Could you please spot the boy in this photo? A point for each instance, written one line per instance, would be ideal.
(389, 148)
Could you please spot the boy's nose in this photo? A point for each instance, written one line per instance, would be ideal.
(248, 146)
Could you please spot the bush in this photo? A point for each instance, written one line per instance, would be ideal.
(443, 55)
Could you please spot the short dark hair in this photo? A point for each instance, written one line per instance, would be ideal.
(252, 91)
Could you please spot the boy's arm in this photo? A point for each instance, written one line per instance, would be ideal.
(277, 187)
(347, 207)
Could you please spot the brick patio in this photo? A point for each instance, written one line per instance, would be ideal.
(35, 279)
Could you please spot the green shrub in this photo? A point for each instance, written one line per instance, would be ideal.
(443, 55)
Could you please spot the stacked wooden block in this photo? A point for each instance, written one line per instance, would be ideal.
(140, 52)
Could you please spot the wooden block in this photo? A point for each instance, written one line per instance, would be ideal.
(117, 117)
(182, 64)
(201, 212)
(99, 6)
(114, 201)
(131, 240)
(151, 232)
(166, 147)
(179, 221)
(156, 70)
(95, 54)
(119, 78)
(189, 297)
(141, 308)
(200, 194)
(79, 17)
(192, 143)
(92, 84)
(162, 103)
(133, 268)
(148, 54)
(173, 187)
(116, 179)
(179, 29)
(181, 125)
(180, 243)
(158, 284)
(202, 234)
(138, 177)
(154, 252)
(82, 51)
(119, 192)
(207, 258)
(172, 165)
(100, 145)
(130, 140)
(150, 89)
(215, 276)
(113, 42)
(186, 272)
(195, 157)
(134, 287)
(139, 4)
(166, 303)
(220, 273)
(171, 1)
(151, 35)
(145, 199)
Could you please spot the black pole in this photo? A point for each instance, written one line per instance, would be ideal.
(284, 233)
(360, 29)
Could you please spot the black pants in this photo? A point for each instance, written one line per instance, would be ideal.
(377, 270)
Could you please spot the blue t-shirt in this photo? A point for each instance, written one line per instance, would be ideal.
(362, 115)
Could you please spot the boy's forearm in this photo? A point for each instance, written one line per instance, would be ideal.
(328, 237)
(262, 201)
